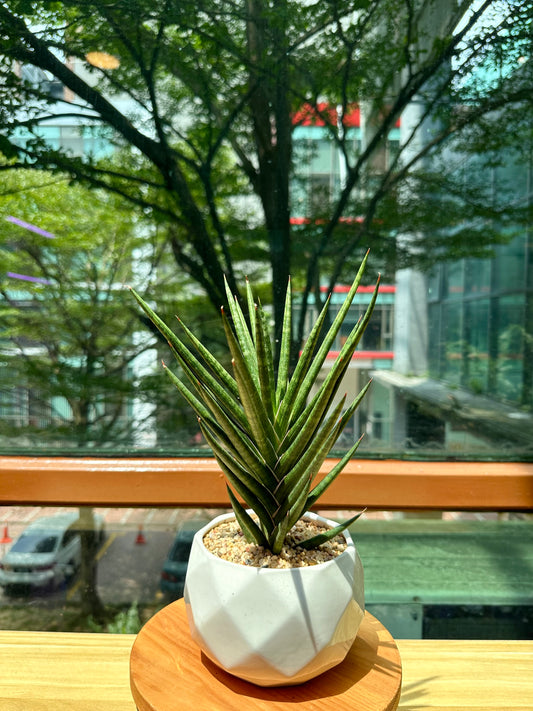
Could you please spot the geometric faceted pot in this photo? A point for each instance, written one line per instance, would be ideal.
(274, 626)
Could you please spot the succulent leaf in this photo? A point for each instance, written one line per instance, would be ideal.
(285, 348)
(269, 436)
(321, 487)
(193, 401)
(333, 379)
(299, 446)
(243, 447)
(299, 506)
(242, 332)
(250, 529)
(218, 370)
(251, 306)
(318, 407)
(346, 415)
(192, 366)
(292, 401)
(256, 496)
(260, 427)
(329, 533)
(265, 363)
(308, 466)
(217, 393)
(336, 325)
(280, 533)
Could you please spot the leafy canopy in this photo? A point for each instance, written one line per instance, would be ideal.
(204, 107)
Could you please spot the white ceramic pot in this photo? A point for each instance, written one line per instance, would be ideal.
(274, 627)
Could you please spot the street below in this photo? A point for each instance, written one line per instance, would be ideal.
(130, 558)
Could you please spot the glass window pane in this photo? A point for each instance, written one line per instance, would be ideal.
(476, 363)
(455, 345)
(510, 363)
(478, 276)
(454, 280)
(435, 342)
(141, 555)
(509, 265)
(300, 177)
(220, 143)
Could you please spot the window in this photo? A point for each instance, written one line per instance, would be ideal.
(176, 166)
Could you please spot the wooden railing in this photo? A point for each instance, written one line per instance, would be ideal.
(198, 482)
(78, 671)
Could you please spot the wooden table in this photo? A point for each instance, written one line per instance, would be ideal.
(45, 671)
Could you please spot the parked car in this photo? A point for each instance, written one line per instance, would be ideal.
(175, 566)
(46, 554)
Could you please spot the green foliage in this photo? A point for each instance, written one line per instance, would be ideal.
(269, 432)
(124, 622)
(67, 339)
(208, 134)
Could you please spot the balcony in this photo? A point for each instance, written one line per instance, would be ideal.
(79, 671)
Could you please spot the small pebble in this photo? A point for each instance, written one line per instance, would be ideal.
(227, 541)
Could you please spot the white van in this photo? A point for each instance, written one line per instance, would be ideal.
(46, 554)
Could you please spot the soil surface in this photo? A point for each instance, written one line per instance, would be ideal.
(227, 541)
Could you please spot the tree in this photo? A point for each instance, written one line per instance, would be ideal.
(67, 329)
(66, 323)
(211, 79)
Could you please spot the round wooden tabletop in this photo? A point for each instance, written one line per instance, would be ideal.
(168, 671)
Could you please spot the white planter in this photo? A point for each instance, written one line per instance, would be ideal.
(274, 627)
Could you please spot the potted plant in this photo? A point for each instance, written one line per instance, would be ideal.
(274, 593)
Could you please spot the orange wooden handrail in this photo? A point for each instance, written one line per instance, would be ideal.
(196, 482)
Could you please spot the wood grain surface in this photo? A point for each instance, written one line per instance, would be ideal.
(166, 665)
(47, 671)
(198, 482)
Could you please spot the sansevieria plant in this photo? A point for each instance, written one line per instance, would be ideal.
(269, 434)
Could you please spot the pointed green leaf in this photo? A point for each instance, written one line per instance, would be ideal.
(250, 500)
(215, 391)
(285, 349)
(245, 448)
(346, 351)
(290, 404)
(264, 362)
(191, 365)
(251, 306)
(193, 401)
(329, 338)
(250, 529)
(260, 426)
(242, 332)
(298, 508)
(295, 499)
(347, 414)
(309, 464)
(317, 408)
(316, 541)
(277, 541)
(256, 496)
(321, 487)
(354, 337)
(211, 361)
(305, 434)
(334, 378)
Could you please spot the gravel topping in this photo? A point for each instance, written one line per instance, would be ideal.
(227, 541)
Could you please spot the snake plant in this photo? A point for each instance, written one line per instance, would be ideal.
(269, 434)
